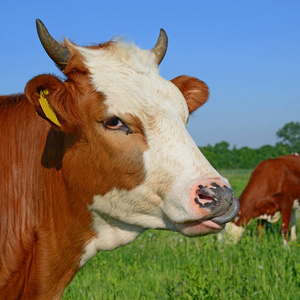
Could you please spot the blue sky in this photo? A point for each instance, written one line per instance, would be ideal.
(248, 52)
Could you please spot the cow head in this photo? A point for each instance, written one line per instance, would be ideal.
(125, 144)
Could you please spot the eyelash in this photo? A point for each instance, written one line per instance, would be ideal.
(115, 123)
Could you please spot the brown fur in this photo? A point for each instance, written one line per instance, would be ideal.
(273, 186)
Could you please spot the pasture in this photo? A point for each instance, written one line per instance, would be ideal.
(166, 265)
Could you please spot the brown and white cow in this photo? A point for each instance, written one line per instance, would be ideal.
(273, 190)
(89, 163)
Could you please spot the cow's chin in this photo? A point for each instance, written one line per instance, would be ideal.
(199, 228)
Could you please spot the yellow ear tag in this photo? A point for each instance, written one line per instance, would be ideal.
(47, 109)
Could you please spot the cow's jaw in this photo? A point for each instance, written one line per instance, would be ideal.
(110, 234)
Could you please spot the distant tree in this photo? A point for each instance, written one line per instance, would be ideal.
(222, 157)
(283, 149)
(290, 136)
(221, 147)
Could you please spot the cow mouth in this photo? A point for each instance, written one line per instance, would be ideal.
(229, 214)
(207, 223)
(210, 225)
(199, 228)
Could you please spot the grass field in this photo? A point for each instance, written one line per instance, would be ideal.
(166, 265)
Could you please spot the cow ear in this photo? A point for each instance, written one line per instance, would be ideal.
(195, 91)
(53, 102)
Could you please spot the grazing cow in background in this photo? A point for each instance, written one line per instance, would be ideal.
(273, 190)
(89, 163)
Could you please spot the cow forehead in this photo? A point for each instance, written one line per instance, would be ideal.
(130, 81)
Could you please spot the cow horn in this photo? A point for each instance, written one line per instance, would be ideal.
(160, 47)
(57, 52)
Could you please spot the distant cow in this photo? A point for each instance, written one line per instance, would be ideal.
(89, 163)
(273, 190)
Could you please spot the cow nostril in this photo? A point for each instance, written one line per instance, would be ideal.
(204, 200)
(202, 196)
(205, 197)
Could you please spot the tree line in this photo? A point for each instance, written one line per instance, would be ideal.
(222, 157)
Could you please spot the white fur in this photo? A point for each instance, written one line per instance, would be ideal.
(129, 78)
(231, 233)
(111, 234)
(270, 218)
(296, 207)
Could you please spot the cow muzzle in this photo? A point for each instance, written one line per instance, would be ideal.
(217, 202)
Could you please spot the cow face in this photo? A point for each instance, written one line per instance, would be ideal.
(126, 147)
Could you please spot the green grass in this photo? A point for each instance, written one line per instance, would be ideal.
(166, 265)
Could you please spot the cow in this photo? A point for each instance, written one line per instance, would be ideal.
(90, 162)
(273, 191)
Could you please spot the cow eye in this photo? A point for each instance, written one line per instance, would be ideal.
(114, 123)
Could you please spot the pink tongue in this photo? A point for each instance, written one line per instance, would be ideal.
(211, 224)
